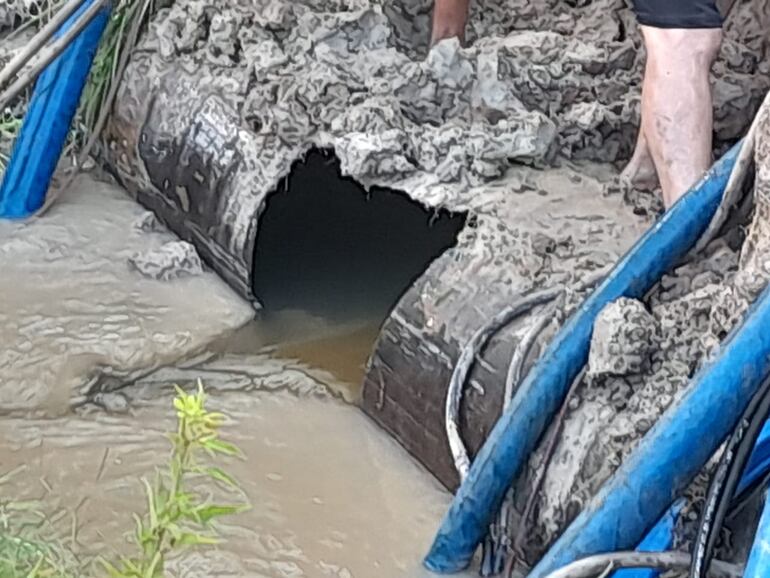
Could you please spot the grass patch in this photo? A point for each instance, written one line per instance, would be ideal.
(9, 128)
(176, 517)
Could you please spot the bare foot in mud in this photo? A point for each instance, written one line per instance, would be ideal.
(449, 19)
(640, 171)
(638, 182)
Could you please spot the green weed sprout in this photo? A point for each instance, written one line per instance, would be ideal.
(178, 517)
(9, 128)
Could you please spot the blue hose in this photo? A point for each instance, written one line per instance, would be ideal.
(49, 117)
(541, 394)
(758, 565)
(659, 539)
(674, 450)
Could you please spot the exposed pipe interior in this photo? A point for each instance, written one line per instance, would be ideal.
(328, 247)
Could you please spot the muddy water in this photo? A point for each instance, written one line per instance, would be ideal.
(331, 495)
(76, 312)
(325, 345)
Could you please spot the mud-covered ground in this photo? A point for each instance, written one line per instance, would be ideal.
(642, 357)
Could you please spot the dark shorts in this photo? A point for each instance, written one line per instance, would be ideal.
(678, 13)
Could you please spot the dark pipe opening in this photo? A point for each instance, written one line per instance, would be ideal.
(328, 247)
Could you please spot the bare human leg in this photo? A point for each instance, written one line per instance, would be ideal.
(677, 113)
(449, 19)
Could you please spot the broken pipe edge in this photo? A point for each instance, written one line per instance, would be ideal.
(49, 117)
(674, 450)
(540, 395)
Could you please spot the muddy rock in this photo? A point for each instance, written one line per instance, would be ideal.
(173, 260)
(112, 402)
(622, 338)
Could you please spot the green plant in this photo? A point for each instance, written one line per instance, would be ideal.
(118, 41)
(178, 517)
(9, 128)
(29, 545)
(26, 558)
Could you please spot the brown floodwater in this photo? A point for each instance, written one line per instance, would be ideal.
(337, 348)
(331, 495)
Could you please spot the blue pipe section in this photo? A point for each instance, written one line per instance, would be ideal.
(49, 117)
(674, 450)
(541, 394)
(758, 565)
(659, 539)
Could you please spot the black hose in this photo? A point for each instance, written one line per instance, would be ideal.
(603, 564)
(727, 477)
(748, 495)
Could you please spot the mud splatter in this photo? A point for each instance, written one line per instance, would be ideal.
(240, 92)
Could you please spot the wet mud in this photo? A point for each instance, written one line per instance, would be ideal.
(239, 93)
(90, 301)
(643, 355)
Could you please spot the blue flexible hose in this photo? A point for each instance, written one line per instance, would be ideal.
(49, 117)
(674, 450)
(541, 394)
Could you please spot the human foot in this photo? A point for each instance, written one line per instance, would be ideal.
(640, 171)
(449, 19)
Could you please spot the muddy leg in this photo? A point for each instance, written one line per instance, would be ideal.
(449, 19)
(677, 114)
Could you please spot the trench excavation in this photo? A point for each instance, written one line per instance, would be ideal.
(522, 128)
